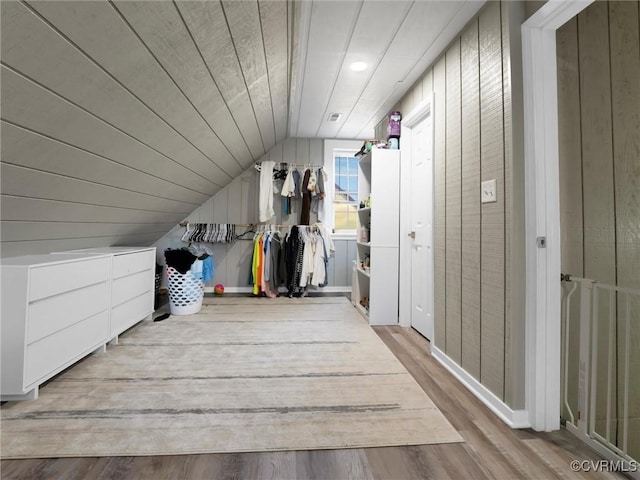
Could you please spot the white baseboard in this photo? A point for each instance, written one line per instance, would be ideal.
(346, 289)
(513, 418)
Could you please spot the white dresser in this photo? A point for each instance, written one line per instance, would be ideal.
(55, 311)
(132, 284)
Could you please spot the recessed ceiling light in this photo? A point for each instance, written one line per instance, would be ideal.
(334, 117)
(358, 66)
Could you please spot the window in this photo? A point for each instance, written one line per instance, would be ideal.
(345, 198)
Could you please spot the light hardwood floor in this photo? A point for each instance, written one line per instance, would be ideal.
(491, 449)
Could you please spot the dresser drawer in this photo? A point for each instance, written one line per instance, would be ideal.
(54, 353)
(126, 288)
(127, 264)
(50, 280)
(47, 316)
(131, 312)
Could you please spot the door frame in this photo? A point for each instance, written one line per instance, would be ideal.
(542, 211)
(419, 113)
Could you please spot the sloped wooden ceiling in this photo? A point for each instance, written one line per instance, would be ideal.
(119, 118)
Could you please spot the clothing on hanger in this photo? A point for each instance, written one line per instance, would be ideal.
(305, 213)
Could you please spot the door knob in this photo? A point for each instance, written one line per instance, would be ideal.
(412, 235)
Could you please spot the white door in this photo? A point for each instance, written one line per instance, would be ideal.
(422, 228)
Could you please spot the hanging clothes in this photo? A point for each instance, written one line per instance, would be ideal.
(297, 184)
(287, 192)
(265, 195)
(297, 260)
(305, 213)
(320, 188)
(208, 269)
(181, 260)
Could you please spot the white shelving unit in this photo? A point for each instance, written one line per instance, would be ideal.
(376, 284)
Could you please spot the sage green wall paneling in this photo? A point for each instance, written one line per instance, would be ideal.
(28, 105)
(35, 247)
(599, 112)
(512, 17)
(21, 181)
(53, 156)
(43, 210)
(243, 16)
(453, 211)
(19, 231)
(427, 84)
(493, 216)
(439, 187)
(235, 252)
(597, 172)
(206, 21)
(570, 174)
(625, 97)
(342, 265)
(597, 144)
(79, 80)
(274, 24)
(488, 136)
(103, 34)
(570, 148)
(178, 54)
(470, 191)
(624, 37)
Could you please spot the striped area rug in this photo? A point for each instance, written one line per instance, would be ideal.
(245, 374)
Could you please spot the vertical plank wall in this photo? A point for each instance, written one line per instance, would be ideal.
(599, 116)
(453, 201)
(479, 321)
(238, 203)
(470, 63)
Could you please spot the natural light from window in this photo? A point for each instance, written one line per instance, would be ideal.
(345, 200)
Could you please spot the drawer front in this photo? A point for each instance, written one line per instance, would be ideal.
(50, 280)
(131, 286)
(129, 313)
(129, 263)
(50, 355)
(51, 314)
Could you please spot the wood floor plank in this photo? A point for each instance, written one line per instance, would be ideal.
(491, 451)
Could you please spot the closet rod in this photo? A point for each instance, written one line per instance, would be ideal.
(185, 224)
(294, 164)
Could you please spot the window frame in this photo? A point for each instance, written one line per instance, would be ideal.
(348, 155)
(349, 148)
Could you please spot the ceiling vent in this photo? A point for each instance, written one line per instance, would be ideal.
(334, 117)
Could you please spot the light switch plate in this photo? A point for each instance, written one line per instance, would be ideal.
(488, 189)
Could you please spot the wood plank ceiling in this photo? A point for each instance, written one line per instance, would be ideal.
(119, 118)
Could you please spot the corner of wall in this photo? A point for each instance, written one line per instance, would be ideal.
(514, 15)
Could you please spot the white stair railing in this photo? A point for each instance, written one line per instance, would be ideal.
(597, 365)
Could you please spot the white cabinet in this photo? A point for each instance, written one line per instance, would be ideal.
(55, 311)
(132, 284)
(376, 280)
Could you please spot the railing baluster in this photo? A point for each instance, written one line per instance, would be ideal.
(627, 354)
(594, 362)
(610, 361)
(621, 304)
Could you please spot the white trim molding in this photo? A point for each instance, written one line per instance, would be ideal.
(248, 290)
(513, 418)
(542, 210)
